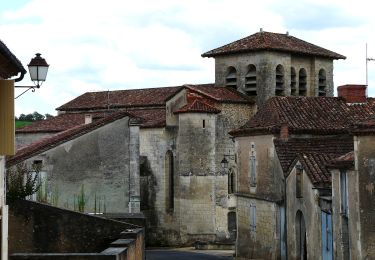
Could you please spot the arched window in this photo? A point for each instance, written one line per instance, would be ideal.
(231, 78)
(293, 82)
(322, 83)
(302, 82)
(251, 80)
(169, 181)
(231, 182)
(279, 91)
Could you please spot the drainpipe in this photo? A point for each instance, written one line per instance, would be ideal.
(23, 72)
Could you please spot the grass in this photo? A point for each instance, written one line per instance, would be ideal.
(22, 123)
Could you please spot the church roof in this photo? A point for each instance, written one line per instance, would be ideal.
(331, 147)
(275, 42)
(197, 106)
(64, 136)
(307, 115)
(150, 97)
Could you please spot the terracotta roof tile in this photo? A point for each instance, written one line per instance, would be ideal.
(220, 94)
(287, 150)
(153, 118)
(59, 123)
(197, 106)
(64, 136)
(314, 165)
(151, 97)
(273, 41)
(344, 161)
(307, 115)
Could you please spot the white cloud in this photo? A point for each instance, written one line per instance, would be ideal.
(113, 44)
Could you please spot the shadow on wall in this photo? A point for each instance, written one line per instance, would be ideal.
(40, 229)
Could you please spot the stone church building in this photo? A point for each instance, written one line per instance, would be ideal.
(185, 169)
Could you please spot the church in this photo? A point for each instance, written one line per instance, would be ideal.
(242, 159)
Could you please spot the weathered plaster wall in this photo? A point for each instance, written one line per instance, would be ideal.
(264, 241)
(346, 236)
(269, 175)
(309, 206)
(365, 167)
(23, 139)
(266, 63)
(163, 225)
(101, 165)
(178, 101)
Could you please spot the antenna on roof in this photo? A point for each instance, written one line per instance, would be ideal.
(367, 60)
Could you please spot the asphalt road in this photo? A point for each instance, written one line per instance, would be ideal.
(182, 255)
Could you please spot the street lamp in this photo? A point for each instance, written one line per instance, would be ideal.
(38, 69)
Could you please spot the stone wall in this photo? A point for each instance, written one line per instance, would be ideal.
(39, 229)
(308, 204)
(263, 241)
(100, 168)
(23, 139)
(266, 63)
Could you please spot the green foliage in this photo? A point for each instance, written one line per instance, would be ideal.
(22, 181)
(33, 117)
(22, 123)
(80, 200)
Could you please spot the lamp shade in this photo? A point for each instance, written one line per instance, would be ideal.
(38, 68)
(224, 163)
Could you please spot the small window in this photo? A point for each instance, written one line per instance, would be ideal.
(251, 80)
(322, 83)
(299, 181)
(203, 124)
(302, 82)
(253, 217)
(231, 78)
(231, 182)
(169, 181)
(279, 91)
(293, 82)
(252, 166)
(344, 193)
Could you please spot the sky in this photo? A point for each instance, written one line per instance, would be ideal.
(96, 45)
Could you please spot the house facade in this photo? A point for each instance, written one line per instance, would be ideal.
(283, 152)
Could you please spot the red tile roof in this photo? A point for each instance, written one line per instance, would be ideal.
(345, 161)
(197, 106)
(287, 150)
(151, 97)
(273, 41)
(220, 94)
(59, 123)
(62, 137)
(307, 115)
(314, 165)
(153, 118)
(366, 127)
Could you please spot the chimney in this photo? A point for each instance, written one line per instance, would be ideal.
(88, 119)
(352, 93)
(284, 131)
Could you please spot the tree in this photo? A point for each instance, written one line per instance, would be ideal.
(22, 181)
(37, 116)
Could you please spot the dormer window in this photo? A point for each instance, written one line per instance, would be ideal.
(279, 91)
(251, 81)
(231, 78)
(322, 83)
(293, 82)
(302, 82)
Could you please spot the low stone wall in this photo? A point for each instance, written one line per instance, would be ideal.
(39, 231)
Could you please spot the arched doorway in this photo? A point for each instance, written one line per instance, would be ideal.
(301, 242)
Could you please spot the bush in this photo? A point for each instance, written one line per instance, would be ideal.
(22, 181)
